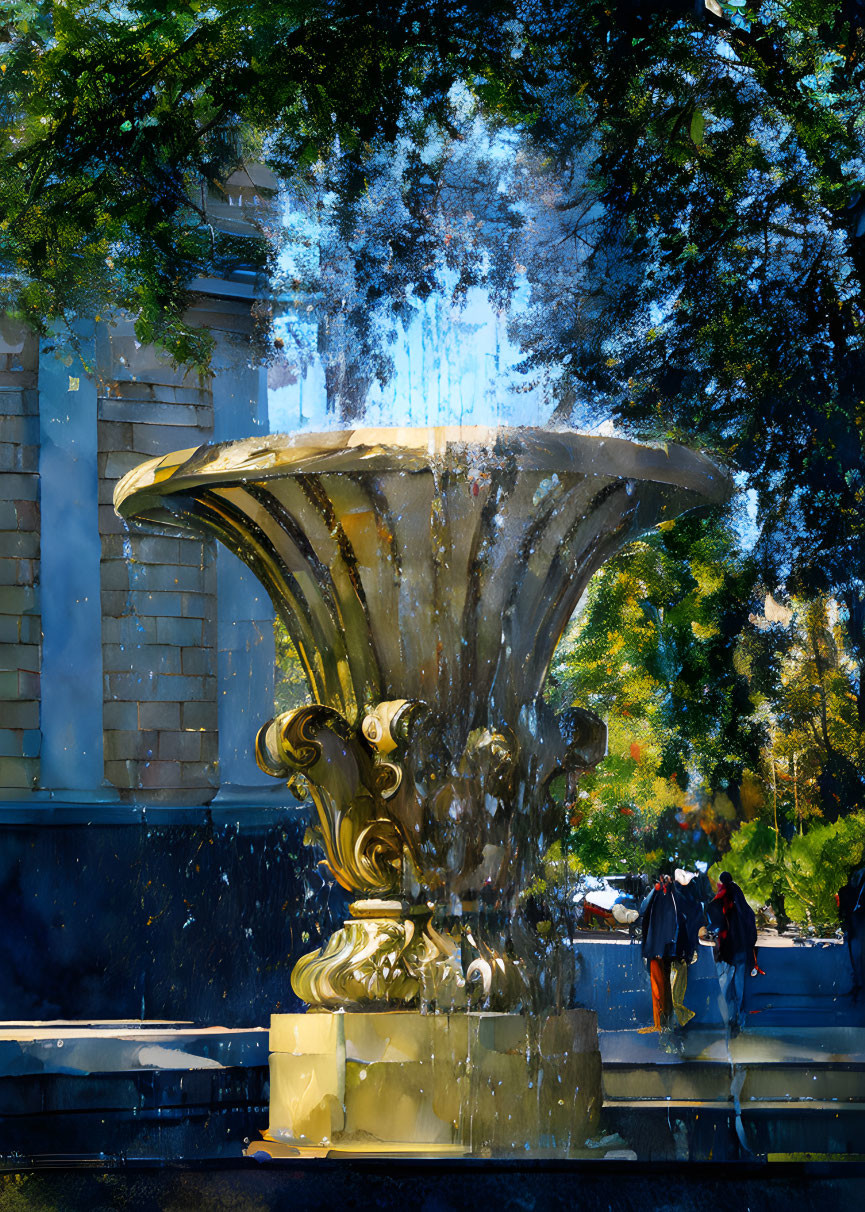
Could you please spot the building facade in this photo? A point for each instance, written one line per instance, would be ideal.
(137, 835)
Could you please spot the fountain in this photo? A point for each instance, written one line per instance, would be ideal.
(425, 577)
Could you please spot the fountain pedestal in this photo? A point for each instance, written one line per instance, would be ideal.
(401, 1082)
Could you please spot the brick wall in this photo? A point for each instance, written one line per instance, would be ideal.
(20, 630)
(158, 588)
(159, 604)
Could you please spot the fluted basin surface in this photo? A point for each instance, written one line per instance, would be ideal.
(426, 576)
(440, 564)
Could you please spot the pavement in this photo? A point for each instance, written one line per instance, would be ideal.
(121, 1090)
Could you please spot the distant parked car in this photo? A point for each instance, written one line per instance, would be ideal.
(607, 902)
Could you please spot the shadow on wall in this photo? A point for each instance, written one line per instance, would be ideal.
(196, 922)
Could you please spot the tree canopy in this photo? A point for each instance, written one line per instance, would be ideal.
(654, 651)
(708, 172)
(677, 189)
(116, 119)
(732, 719)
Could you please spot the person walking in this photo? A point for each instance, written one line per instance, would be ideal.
(660, 932)
(735, 926)
(689, 910)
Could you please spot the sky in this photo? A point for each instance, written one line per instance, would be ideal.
(452, 366)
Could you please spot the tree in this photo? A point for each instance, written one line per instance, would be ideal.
(702, 167)
(801, 876)
(729, 161)
(654, 652)
(733, 729)
(716, 150)
(116, 121)
(291, 689)
(803, 679)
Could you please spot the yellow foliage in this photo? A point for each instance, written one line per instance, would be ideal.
(709, 578)
(751, 795)
(723, 807)
(665, 794)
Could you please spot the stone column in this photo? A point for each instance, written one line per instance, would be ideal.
(245, 662)
(71, 717)
(158, 587)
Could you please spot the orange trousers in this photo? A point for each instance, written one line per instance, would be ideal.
(662, 995)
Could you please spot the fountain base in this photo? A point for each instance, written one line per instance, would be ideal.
(390, 956)
(405, 1083)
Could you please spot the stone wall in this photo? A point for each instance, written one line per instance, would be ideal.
(20, 630)
(160, 614)
(158, 589)
(146, 865)
(135, 689)
(189, 914)
(122, 682)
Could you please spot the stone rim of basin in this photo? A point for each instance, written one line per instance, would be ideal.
(416, 449)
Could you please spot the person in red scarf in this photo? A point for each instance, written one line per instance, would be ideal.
(735, 927)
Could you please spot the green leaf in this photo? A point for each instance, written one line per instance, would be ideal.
(698, 126)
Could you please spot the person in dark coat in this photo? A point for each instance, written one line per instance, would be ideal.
(702, 888)
(660, 935)
(735, 927)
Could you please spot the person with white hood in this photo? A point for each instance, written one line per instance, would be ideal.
(690, 914)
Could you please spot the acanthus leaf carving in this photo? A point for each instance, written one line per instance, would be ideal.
(363, 844)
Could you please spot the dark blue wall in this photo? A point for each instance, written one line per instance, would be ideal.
(802, 986)
(193, 918)
(200, 915)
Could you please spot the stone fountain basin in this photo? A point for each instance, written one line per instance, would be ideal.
(441, 563)
(425, 577)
